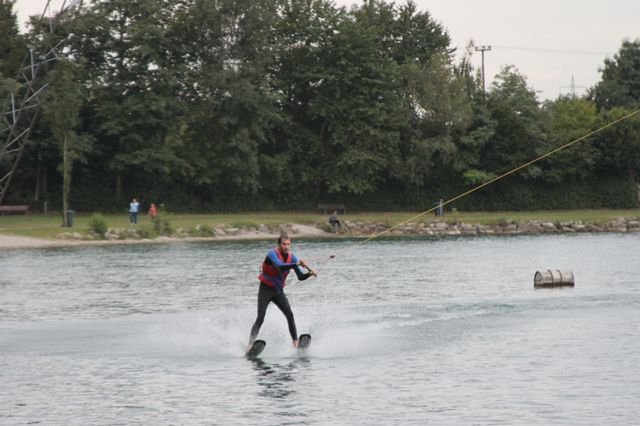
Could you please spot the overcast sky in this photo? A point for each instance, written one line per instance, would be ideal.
(549, 41)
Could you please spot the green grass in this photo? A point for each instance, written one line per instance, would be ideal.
(40, 226)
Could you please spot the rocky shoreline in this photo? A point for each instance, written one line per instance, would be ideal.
(363, 229)
(506, 227)
(221, 232)
(323, 230)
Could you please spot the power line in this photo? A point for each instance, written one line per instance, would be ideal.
(559, 51)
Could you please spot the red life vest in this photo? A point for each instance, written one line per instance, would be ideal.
(271, 275)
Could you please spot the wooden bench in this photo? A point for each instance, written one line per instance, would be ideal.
(340, 208)
(13, 210)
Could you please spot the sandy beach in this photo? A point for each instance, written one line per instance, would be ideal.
(12, 241)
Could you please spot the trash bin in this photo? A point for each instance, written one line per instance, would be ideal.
(70, 214)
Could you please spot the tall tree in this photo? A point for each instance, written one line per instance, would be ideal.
(63, 101)
(359, 112)
(521, 129)
(440, 115)
(620, 84)
(433, 101)
(620, 144)
(134, 106)
(618, 94)
(404, 33)
(304, 30)
(12, 46)
(570, 119)
(229, 50)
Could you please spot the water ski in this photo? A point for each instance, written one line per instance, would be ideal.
(304, 341)
(256, 348)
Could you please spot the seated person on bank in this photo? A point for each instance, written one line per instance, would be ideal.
(334, 221)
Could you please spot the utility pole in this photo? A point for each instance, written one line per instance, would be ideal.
(483, 49)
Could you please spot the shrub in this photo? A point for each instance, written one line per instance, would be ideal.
(206, 230)
(162, 225)
(200, 231)
(503, 221)
(98, 225)
(243, 223)
(147, 233)
(326, 228)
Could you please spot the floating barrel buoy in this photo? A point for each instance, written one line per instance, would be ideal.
(553, 278)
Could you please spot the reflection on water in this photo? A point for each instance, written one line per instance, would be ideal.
(277, 379)
(411, 331)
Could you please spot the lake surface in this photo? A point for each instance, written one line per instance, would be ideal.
(406, 331)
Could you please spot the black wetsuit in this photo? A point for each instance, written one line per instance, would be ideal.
(275, 294)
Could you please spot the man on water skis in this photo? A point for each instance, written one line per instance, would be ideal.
(275, 269)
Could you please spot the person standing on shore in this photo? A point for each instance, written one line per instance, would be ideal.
(134, 207)
(275, 269)
(153, 211)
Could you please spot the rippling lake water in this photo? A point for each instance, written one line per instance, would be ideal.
(405, 331)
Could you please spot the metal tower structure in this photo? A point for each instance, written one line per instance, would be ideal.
(572, 87)
(20, 111)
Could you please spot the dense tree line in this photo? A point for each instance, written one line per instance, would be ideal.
(279, 104)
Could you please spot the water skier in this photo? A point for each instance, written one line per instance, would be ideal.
(275, 269)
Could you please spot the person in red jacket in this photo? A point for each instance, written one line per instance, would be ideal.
(153, 211)
(275, 269)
